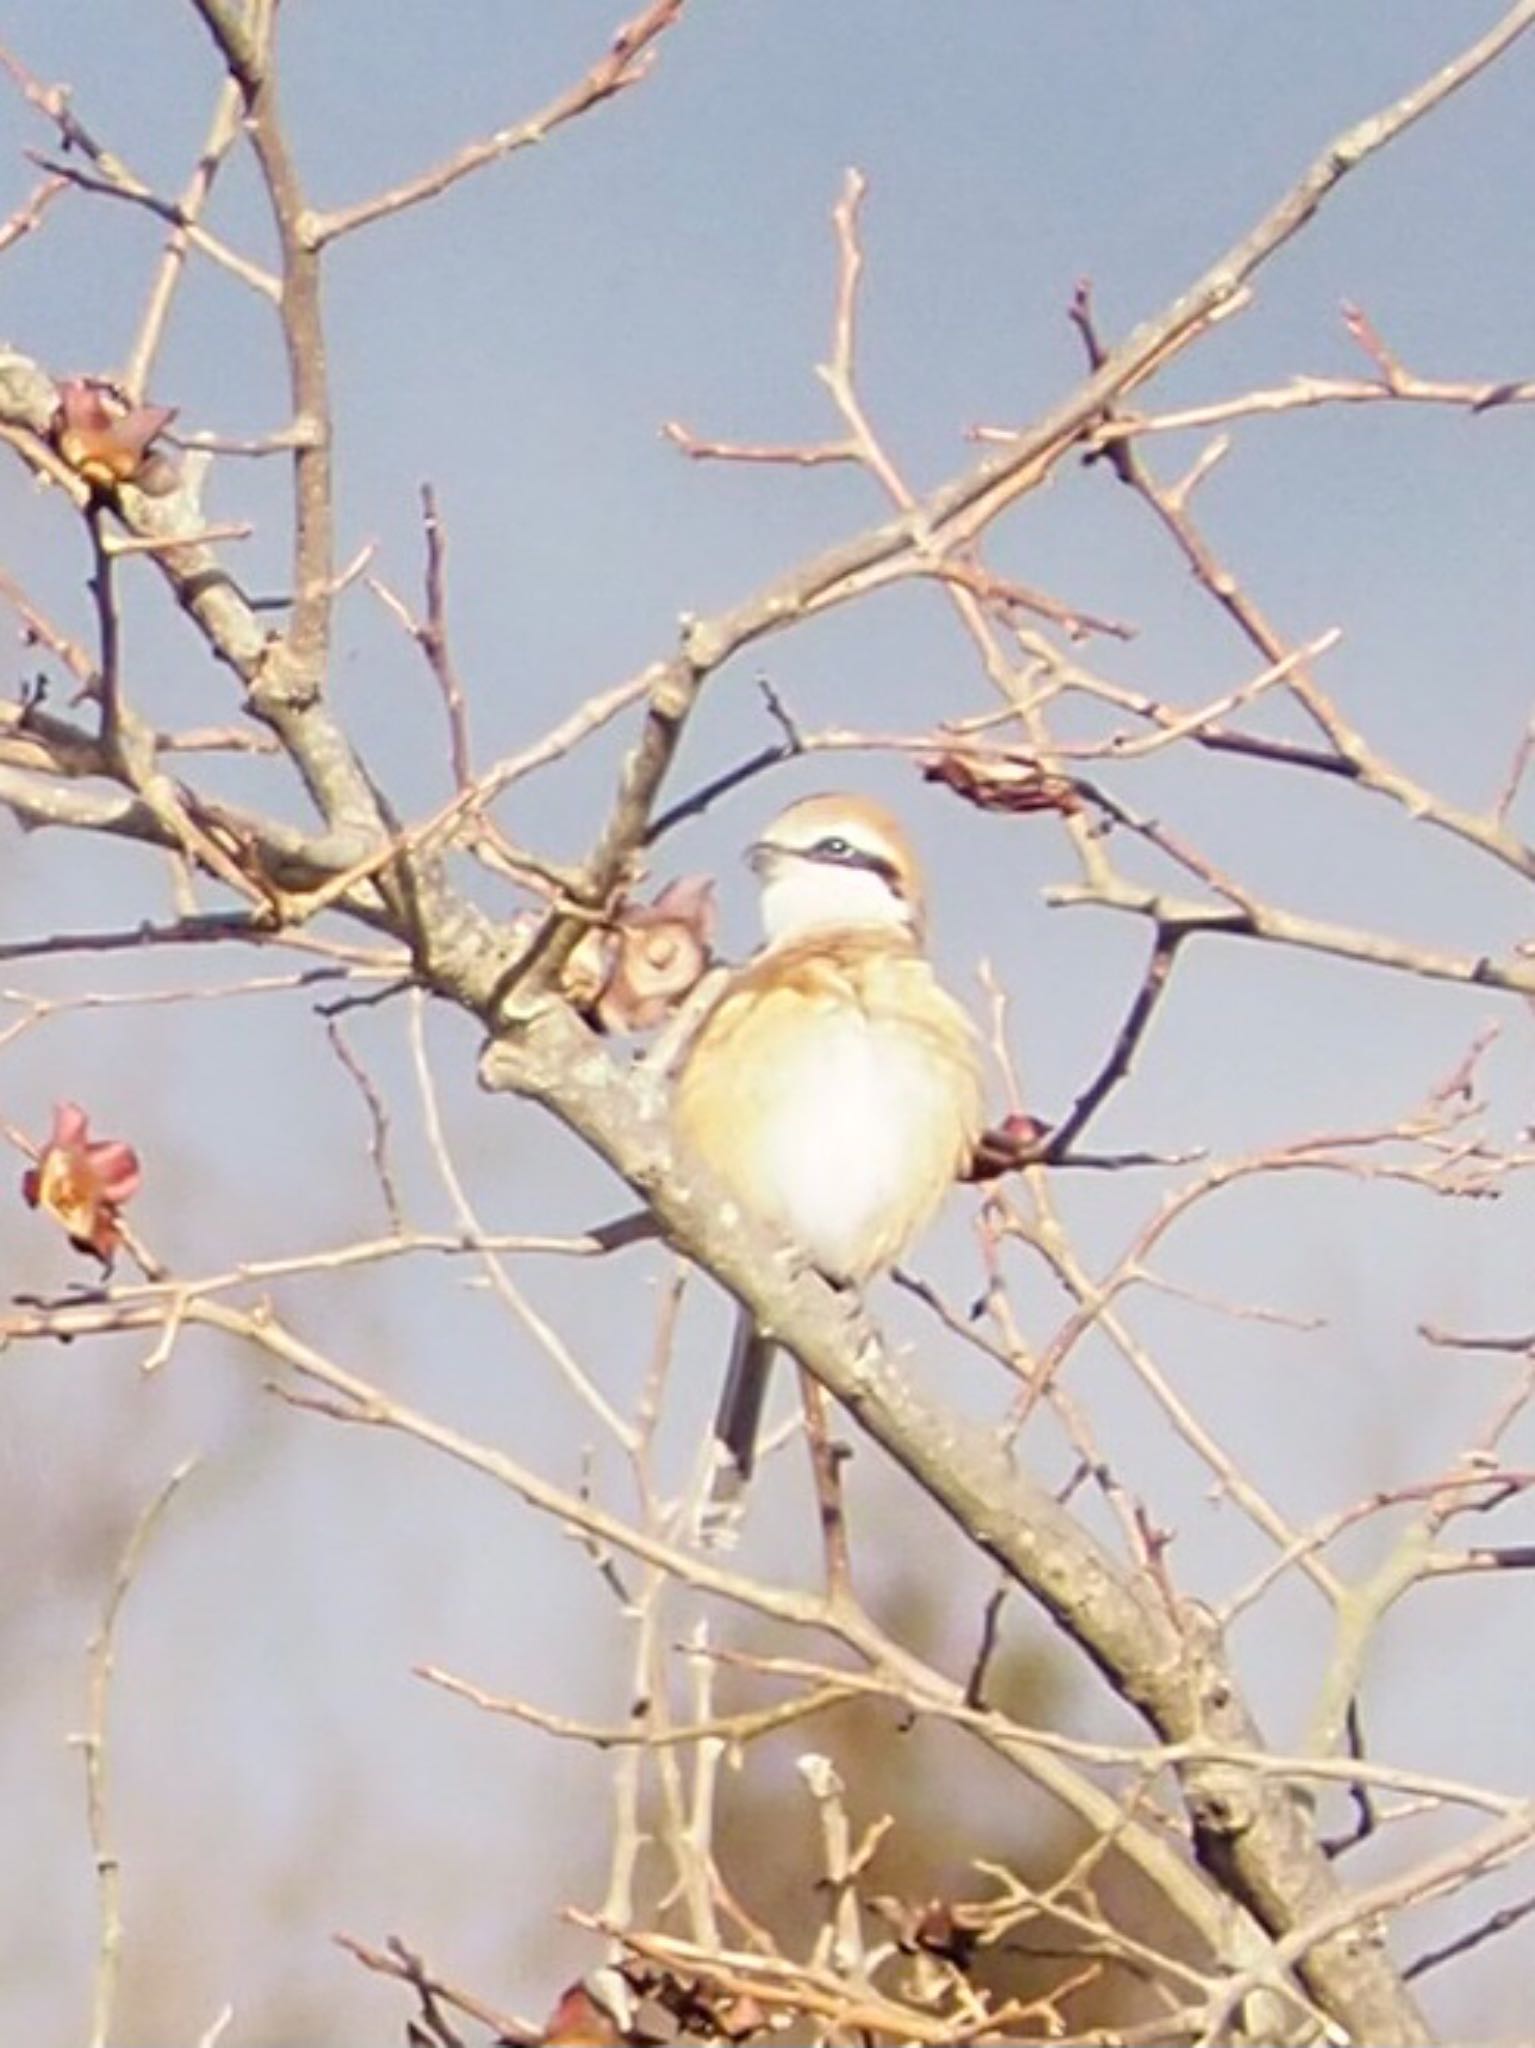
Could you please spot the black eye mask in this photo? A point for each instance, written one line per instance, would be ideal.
(838, 852)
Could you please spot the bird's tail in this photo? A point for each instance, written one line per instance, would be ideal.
(736, 1422)
(739, 1415)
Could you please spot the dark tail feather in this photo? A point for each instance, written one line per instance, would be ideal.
(740, 1411)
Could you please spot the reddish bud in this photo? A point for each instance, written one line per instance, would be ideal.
(632, 974)
(581, 2021)
(663, 952)
(741, 2017)
(83, 1182)
(1017, 1141)
(1000, 782)
(102, 437)
(939, 1931)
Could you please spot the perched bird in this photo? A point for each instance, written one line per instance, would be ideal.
(835, 1087)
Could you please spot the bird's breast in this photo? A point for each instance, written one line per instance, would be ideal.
(842, 1123)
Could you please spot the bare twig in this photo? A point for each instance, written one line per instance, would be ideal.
(223, 132)
(378, 1123)
(1116, 1067)
(93, 1746)
(434, 1992)
(627, 62)
(29, 214)
(1489, 1929)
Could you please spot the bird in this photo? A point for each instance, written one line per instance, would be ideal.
(834, 1089)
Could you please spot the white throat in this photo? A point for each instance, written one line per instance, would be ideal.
(800, 896)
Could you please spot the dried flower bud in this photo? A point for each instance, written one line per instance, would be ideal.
(939, 1932)
(83, 1182)
(1000, 782)
(578, 2021)
(663, 953)
(631, 974)
(740, 2017)
(1013, 1143)
(598, 2010)
(106, 440)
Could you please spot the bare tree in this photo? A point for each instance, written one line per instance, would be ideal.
(1188, 1884)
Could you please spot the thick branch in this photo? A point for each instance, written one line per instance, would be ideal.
(1256, 1837)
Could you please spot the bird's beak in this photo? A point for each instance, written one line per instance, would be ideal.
(760, 856)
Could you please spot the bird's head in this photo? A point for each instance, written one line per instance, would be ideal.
(834, 862)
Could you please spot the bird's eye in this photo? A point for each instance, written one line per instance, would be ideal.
(835, 847)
